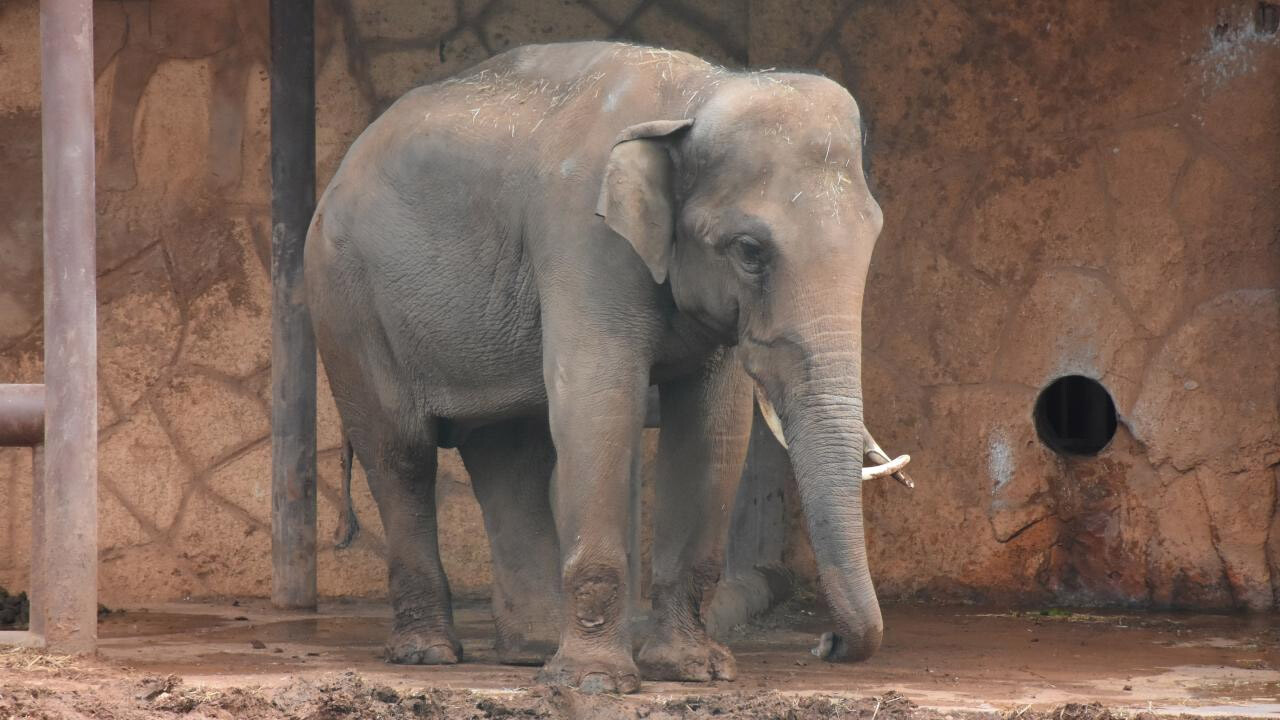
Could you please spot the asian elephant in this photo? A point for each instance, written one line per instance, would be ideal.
(506, 260)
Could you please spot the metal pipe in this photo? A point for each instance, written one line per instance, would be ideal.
(293, 347)
(70, 587)
(21, 415)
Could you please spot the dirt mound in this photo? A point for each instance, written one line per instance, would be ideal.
(347, 695)
(40, 686)
(344, 695)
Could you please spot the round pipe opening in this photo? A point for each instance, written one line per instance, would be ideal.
(1075, 415)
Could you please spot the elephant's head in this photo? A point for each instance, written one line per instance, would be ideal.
(756, 210)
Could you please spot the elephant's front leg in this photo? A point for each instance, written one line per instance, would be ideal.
(596, 404)
(706, 423)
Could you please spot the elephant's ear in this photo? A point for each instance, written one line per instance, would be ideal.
(635, 198)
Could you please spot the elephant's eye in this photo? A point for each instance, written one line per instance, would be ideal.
(750, 255)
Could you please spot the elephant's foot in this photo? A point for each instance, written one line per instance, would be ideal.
(526, 634)
(595, 647)
(592, 671)
(424, 647)
(515, 649)
(675, 656)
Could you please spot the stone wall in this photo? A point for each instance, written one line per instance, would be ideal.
(1069, 188)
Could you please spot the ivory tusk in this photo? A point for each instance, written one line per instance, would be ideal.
(770, 416)
(893, 466)
(873, 453)
(871, 446)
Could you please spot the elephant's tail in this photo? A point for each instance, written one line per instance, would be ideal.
(348, 524)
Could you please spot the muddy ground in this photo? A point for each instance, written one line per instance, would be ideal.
(246, 660)
(78, 691)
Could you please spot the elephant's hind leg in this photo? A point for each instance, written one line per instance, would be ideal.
(510, 465)
(402, 478)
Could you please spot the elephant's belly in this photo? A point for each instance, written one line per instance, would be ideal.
(473, 350)
(482, 382)
(405, 376)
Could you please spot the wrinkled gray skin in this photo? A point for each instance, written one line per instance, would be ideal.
(506, 260)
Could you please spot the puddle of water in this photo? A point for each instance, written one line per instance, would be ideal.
(1215, 642)
(140, 623)
(328, 631)
(1239, 690)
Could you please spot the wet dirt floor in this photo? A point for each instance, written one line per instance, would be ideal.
(951, 660)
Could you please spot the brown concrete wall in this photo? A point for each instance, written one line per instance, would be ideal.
(1069, 188)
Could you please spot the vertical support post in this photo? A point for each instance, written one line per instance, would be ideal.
(70, 585)
(35, 587)
(293, 350)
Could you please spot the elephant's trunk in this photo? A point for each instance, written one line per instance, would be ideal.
(822, 421)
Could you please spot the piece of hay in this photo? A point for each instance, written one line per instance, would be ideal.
(33, 660)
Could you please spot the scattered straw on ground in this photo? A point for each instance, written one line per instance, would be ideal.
(31, 660)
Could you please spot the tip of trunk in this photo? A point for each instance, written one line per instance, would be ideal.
(837, 648)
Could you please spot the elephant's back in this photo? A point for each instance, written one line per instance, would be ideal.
(440, 215)
(514, 121)
(476, 176)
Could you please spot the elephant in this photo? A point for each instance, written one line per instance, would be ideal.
(505, 261)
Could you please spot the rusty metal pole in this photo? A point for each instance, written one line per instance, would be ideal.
(293, 348)
(70, 587)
